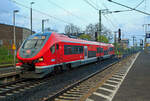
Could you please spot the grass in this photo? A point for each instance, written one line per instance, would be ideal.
(6, 57)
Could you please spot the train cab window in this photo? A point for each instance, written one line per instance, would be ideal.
(57, 46)
(33, 43)
(52, 49)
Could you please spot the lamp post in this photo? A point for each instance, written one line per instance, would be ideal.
(31, 16)
(43, 24)
(14, 45)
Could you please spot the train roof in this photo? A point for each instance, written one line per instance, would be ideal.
(64, 38)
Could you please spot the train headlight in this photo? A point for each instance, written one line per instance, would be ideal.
(41, 59)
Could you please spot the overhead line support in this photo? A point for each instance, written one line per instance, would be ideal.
(129, 7)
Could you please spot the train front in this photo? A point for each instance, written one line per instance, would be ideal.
(31, 54)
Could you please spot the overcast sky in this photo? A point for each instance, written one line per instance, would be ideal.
(81, 14)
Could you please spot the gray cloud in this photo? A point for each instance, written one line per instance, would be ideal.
(6, 9)
(7, 6)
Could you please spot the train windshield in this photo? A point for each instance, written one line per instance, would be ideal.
(35, 42)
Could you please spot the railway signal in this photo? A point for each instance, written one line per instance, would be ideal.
(147, 35)
(96, 39)
(141, 43)
(119, 35)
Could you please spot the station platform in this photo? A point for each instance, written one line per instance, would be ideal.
(134, 87)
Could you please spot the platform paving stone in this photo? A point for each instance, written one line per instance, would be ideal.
(136, 86)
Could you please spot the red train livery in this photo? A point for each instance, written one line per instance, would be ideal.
(43, 53)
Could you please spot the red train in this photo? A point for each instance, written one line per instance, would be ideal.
(43, 53)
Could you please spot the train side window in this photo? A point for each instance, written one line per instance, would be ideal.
(72, 49)
(57, 46)
(105, 52)
(101, 50)
(81, 49)
(111, 49)
(91, 54)
(67, 49)
(53, 49)
(97, 50)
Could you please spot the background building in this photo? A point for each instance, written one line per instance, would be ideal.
(6, 35)
(125, 43)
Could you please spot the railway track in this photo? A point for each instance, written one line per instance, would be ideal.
(8, 74)
(23, 86)
(81, 89)
(19, 86)
(6, 78)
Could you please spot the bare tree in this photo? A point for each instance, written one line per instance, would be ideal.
(92, 28)
(48, 29)
(72, 29)
(107, 33)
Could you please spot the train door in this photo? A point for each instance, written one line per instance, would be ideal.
(85, 52)
(57, 54)
(53, 54)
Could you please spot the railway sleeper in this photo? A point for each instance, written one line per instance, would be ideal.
(58, 99)
(80, 88)
(80, 91)
(84, 86)
(8, 79)
(71, 95)
(75, 92)
(70, 98)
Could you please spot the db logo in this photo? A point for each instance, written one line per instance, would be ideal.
(28, 51)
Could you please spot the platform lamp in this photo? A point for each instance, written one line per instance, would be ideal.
(14, 44)
(31, 3)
